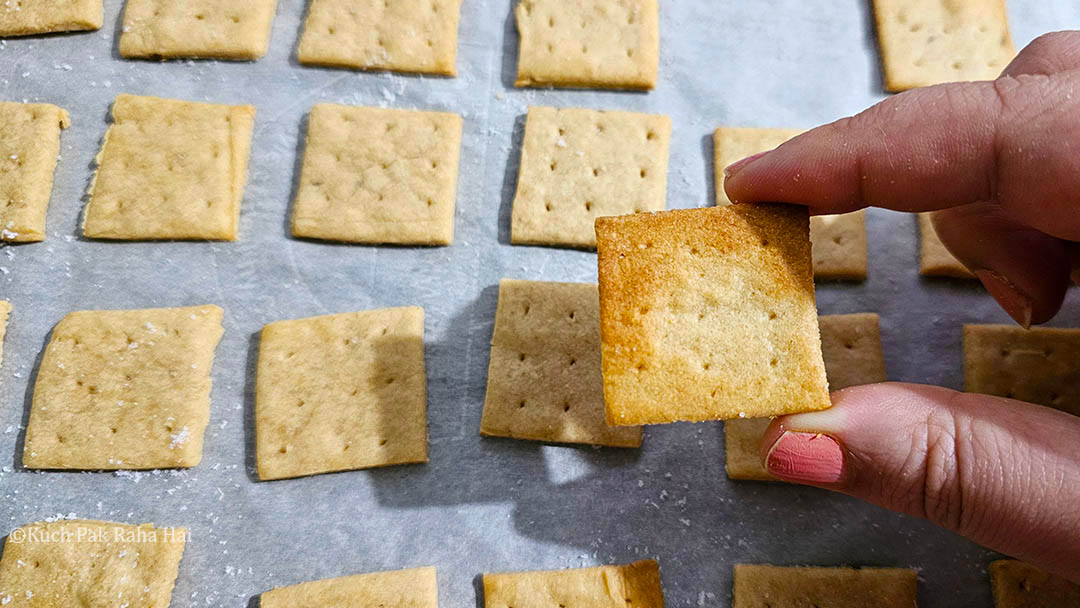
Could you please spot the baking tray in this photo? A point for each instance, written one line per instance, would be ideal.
(480, 504)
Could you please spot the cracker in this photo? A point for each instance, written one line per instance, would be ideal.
(196, 28)
(29, 17)
(90, 563)
(28, 153)
(1038, 365)
(935, 259)
(544, 379)
(5, 310)
(635, 585)
(925, 42)
(413, 588)
(418, 36)
(578, 165)
(851, 349)
(762, 586)
(124, 389)
(731, 144)
(607, 44)
(373, 175)
(341, 392)
(1020, 585)
(709, 314)
(170, 169)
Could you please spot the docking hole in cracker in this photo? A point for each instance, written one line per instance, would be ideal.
(212, 29)
(709, 314)
(578, 165)
(32, 17)
(635, 585)
(124, 389)
(374, 175)
(341, 392)
(544, 380)
(763, 586)
(170, 169)
(28, 151)
(412, 588)
(1020, 585)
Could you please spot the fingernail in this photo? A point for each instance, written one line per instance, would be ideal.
(1011, 299)
(809, 458)
(737, 166)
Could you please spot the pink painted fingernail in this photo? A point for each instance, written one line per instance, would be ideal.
(1011, 299)
(809, 458)
(739, 165)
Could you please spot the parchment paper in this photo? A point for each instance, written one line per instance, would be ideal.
(481, 504)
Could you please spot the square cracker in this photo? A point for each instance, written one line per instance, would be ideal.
(419, 36)
(1039, 365)
(5, 310)
(197, 28)
(839, 240)
(925, 42)
(544, 379)
(762, 586)
(851, 349)
(28, 152)
(709, 314)
(935, 259)
(90, 563)
(28, 17)
(124, 389)
(635, 585)
(341, 392)
(412, 588)
(607, 44)
(578, 165)
(170, 169)
(1020, 585)
(373, 175)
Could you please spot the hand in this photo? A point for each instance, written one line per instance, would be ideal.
(999, 164)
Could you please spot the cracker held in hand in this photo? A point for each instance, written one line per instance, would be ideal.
(413, 588)
(124, 389)
(709, 314)
(635, 585)
(341, 392)
(90, 563)
(374, 175)
(925, 42)
(30, 17)
(1020, 585)
(28, 153)
(544, 380)
(779, 587)
(606, 44)
(196, 28)
(935, 260)
(418, 36)
(170, 170)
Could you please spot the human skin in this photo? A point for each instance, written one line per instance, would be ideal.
(999, 165)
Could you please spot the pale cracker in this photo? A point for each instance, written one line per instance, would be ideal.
(839, 240)
(578, 165)
(5, 310)
(124, 389)
(196, 28)
(412, 588)
(851, 349)
(28, 152)
(90, 563)
(373, 175)
(418, 36)
(544, 379)
(607, 44)
(341, 392)
(709, 314)
(926, 42)
(935, 259)
(29, 17)
(763, 586)
(1020, 585)
(170, 169)
(1039, 365)
(635, 585)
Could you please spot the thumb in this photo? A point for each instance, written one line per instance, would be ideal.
(1003, 473)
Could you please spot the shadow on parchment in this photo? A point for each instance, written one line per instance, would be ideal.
(509, 183)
